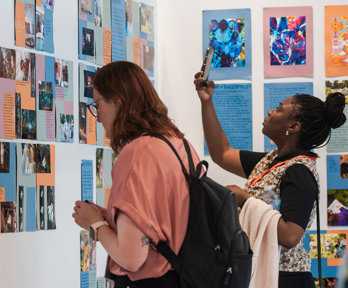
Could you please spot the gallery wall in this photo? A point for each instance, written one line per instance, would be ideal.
(52, 258)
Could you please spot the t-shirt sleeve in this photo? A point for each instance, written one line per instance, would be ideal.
(249, 159)
(297, 194)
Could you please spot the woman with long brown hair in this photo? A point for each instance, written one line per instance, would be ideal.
(149, 199)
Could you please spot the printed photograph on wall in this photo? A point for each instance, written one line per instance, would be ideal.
(336, 44)
(40, 28)
(29, 26)
(84, 251)
(333, 245)
(8, 217)
(45, 96)
(51, 214)
(337, 209)
(43, 158)
(20, 207)
(28, 158)
(88, 76)
(7, 63)
(67, 128)
(288, 42)
(100, 168)
(82, 123)
(23, 65)
(227, 38)
(4, 157)
(98, 13)
(41, 207)
(28, 124)
(88, 41)
(344, 166)
(86, 6)
(228, 32)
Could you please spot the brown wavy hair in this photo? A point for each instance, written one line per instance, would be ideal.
(139, 108)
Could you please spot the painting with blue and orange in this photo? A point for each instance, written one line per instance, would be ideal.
(288, 40)
(227, 37)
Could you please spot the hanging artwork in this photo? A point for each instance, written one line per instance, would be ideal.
(288, 42)
(336, 44)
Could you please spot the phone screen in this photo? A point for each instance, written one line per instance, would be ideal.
(207, 62)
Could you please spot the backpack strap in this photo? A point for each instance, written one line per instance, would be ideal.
(162, 247)
(318, 238)
(187, 176)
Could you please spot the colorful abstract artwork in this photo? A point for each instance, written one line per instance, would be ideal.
(288, 40)
(339, 42)
(227, 37)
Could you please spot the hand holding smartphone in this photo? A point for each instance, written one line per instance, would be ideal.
(206, 64)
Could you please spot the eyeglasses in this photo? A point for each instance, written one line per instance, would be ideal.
(93, 108)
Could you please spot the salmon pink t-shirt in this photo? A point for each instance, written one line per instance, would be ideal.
(150, 188)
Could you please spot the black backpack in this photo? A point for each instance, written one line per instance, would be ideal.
(216, 252)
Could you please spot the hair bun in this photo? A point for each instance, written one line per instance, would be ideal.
(334, 105)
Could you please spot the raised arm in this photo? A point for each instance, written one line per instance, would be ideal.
(219, 148)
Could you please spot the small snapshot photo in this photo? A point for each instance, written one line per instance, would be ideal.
(146, 20)
(148, 57)
(41, 207)
(227, 37)
(92, 255)
(61, 73)
(51, 207)
(82, 123)
(329, 282)
(86, 6)
(49, 4)
(8, 217)
(344, 166)
(28, 124)
(337, 209)
(88, 41)
(7, 63)
(288, 40)
(20, 208)
(84, 251)
(4, 157)
(40, 20)
(18, 116)
(28, 158)
(43, 158)
(23, 65)
(29, 26)
(88, 77)
(129, 18)
(98, 13)
(45, 96)
(100, 168)
(66, 128)
(333, 245)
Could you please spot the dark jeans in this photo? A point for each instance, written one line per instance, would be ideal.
(168, 280)
(296, 280)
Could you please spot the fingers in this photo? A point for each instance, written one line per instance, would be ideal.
(198, 74)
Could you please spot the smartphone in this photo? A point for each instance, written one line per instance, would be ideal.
(207, 62)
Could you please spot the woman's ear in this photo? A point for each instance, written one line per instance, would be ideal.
(295, 128)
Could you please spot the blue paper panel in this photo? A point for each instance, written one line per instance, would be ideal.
(8, 174)
(118, 30)
(48, 22)
(229, 33)
(84, 279)
(274, 93)
(233, 107)
(87, 180)
(30, 209)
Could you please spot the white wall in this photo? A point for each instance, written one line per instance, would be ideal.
(51, 258)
